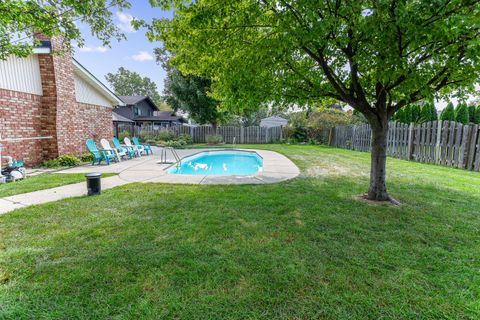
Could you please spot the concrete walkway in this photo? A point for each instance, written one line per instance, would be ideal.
(276, 168)
(48, 195)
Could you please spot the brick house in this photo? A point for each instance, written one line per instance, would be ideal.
(50, 104)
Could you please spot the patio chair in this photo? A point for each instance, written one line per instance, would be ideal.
(118, 153)
(146, 147)
(99, 155)
(130, 151)
(138, 149)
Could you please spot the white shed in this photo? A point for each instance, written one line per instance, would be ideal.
(274, 121)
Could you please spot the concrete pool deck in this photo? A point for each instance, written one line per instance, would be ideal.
(276, 168)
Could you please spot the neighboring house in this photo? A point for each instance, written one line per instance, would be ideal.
(50, 104)
(144, 113)
(120, 124)
(274, 121)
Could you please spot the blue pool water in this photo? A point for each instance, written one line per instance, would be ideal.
(219, 163)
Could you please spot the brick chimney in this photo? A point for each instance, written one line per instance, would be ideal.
(58, 100)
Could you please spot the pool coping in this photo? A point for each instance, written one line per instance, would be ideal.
(276, 168)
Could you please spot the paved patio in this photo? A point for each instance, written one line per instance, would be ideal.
(276, 168)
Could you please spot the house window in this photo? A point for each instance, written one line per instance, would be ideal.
(137, 111)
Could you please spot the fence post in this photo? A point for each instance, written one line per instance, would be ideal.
(471, 147)
(437, 143)
(242, 135)
(354, 135)
(266, 134)
(410, 142)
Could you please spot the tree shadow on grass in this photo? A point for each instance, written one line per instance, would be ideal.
(301, 249)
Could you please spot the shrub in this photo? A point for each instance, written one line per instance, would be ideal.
(165, 135)
(68, 161)
(407, 114)
(54, 163)
(461, 113)
(357, 118)
(87, 157)
(448, 113)
(296, 130)
(214, 139)
(327, 119)
(185, 137)
(400, 116)
(124, 134)
(428, 113)
(299, 134)
(151, 142)
(471, 113)
(174, 144)
(143, 137)
(477, 115)
(416, 113)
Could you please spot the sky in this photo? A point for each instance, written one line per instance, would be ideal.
(134, 54)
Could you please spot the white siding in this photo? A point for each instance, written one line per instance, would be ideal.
(21, 74)
(86, 93)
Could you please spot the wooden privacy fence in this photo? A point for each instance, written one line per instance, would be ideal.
(438, 142)
(230, 134)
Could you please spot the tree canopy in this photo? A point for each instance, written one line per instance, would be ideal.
(375, 55)
(129, 83)
(19, 19)
(189, 93)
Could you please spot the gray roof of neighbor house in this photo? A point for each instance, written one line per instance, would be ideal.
(132, 100)
(273, 121)
(160, 116)
(118, 118)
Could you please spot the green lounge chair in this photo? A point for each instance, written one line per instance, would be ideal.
(99, 155)
(130, 151)
(146, 147)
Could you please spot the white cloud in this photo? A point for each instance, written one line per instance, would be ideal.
(142, 56)
(125, 20)
(93, 49)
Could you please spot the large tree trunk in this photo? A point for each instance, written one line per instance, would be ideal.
(378, 187)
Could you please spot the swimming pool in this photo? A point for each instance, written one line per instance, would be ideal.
(219, 163)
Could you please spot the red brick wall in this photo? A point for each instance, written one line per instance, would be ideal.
(20, 117)
(95, 122)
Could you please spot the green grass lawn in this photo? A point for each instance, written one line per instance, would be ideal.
(303, 249)
(41, 182)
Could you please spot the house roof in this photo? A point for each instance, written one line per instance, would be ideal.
(94, 82)
(273, 121)
(160, 116)
(276, 118)
(132, 100)
(118, 118)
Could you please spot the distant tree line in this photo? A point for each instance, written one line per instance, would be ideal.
(427, 112)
